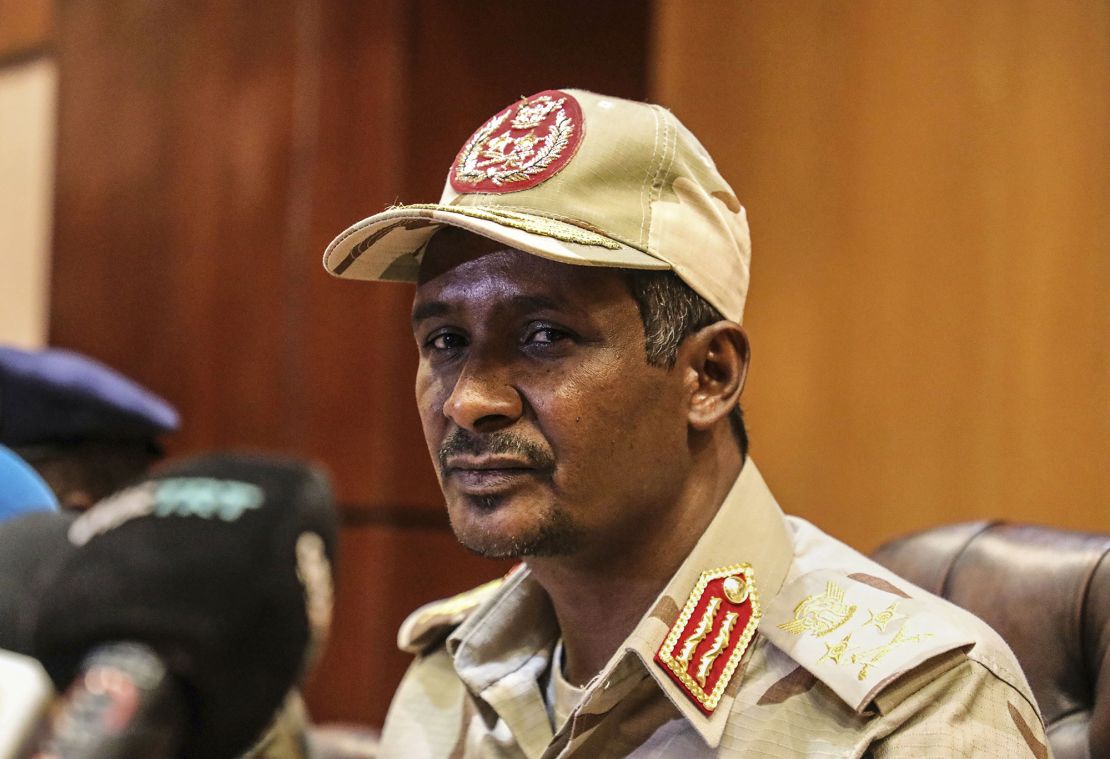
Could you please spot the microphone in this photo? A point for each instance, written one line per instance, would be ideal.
(220, 565)
(124, 703)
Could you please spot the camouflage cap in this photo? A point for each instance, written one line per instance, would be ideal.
(579, 178)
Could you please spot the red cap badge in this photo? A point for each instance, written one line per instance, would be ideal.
(526, 144)
(705, 644)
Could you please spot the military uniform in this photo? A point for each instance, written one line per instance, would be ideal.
(845, 659)
(771, 639)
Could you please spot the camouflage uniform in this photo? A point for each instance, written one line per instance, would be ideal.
(848, 660)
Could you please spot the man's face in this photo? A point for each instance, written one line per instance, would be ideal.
(550, 432)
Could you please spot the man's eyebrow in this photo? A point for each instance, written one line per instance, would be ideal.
(519, 303)
(429, 310)
(536, 303)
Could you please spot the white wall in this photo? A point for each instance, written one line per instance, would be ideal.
(28, 96)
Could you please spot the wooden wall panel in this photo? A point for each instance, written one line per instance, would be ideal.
(472, 59)
(357, 357)
(395, 571)
(927, 185)
(171, 254)
(26, 28)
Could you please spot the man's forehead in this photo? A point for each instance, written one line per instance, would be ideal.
(464, 268)
(464, 255)
(451, 247)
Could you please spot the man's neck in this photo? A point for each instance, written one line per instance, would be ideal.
(599, 603)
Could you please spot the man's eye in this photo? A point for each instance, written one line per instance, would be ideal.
(546, 335)
(446, 341)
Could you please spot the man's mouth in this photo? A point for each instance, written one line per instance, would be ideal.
(484, 475)
(492, 465)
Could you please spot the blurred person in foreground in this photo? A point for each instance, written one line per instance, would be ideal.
(89, 432)
(87, 429)
(579, 293)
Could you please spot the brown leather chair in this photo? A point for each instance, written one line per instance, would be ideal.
(1047, 592)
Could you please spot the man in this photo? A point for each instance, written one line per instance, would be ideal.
(580, 288)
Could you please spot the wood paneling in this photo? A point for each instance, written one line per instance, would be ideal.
(472, 59)
(172, 257)
(384, 574)
(208, 152)
(357, 357)
(26, 28)
(928, 188)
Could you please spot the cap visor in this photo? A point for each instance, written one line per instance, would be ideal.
(388, 245)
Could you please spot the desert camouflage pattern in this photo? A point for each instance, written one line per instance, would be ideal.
(849, 660)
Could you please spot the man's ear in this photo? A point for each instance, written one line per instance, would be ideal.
(716, 359)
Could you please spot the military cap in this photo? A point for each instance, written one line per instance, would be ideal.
(21, 488)
(56, 396)
(579, 178)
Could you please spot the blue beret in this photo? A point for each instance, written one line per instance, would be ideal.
(59, 396)
(21, 488)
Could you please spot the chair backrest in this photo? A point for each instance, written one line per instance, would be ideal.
(1047, 593)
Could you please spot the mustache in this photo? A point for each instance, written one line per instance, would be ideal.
(464, 441)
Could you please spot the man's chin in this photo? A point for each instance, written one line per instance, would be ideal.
(481, 529)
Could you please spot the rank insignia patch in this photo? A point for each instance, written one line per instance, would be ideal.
(820, 614)
(706, 642)
(855, 636)
(522, 146)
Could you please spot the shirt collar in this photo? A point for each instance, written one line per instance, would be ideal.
(748, 528)
(511, 627)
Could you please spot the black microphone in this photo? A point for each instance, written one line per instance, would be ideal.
(221, 565)
(123, 704)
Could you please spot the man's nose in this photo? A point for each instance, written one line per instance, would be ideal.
(483, 400)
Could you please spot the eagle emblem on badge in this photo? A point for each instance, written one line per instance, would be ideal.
(821, 613)
(520, 147)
